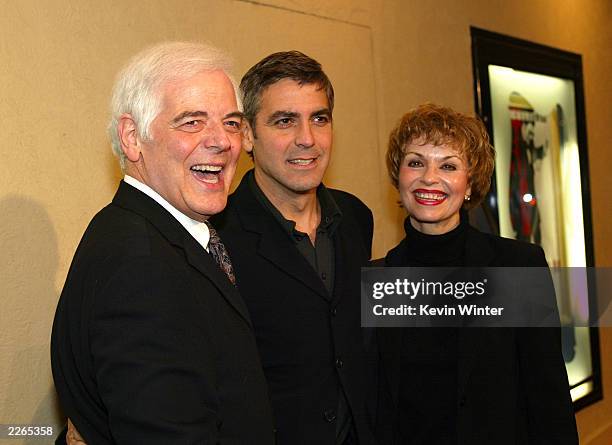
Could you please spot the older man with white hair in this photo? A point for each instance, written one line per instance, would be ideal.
(151, 341)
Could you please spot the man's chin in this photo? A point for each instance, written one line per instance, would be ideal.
(306, 185)
(201, 211)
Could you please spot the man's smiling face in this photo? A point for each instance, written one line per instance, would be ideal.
(294, 138)
(195, 143)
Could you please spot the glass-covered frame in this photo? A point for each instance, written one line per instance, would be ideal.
(531, 99)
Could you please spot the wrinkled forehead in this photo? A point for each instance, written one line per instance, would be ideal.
(182, 86)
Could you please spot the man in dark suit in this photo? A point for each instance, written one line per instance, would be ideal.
(297, 248)
(151, 341)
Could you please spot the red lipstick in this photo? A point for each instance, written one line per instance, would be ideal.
(429, 197)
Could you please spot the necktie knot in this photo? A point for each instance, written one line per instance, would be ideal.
(219, 253)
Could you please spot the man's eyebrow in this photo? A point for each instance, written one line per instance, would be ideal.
(186, 114)
(190, 114)
(281, 114)
(239, 114)
(321, 112)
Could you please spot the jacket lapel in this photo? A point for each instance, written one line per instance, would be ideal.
(206, 265)
(343, 265)
(479, 253)
(134, 200)
(390, 339)
(274, 243)
(390, 346)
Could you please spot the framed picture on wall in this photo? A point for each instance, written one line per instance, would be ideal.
(531, 99)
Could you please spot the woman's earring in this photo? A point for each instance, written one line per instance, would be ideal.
(467, 197)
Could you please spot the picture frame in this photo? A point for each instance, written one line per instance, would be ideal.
(531, 99)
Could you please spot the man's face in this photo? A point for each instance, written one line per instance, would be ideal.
(195, 143)
(294, 139)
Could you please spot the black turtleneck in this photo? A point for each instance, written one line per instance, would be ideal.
(424, 250)
(428, 387)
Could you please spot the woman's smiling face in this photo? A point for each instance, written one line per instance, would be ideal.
(433, 183)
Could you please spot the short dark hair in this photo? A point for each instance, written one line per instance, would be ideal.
(436, 125)
(292, 65)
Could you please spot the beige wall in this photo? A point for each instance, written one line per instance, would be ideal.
(57, 62)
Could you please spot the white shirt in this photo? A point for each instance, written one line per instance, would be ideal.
(197, 229)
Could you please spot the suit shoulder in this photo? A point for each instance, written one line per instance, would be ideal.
(345, 197)
(226, 221)
(117, 224)
(517, 246)
(513, 252)
(116, 233)
(228, 218)
(117, 218)
(349, 201)
(357, 217)
(121, 253)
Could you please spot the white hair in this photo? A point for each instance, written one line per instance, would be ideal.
(139, 84)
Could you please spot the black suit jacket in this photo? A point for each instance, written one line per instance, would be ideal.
(310, 341)
(512, 384)
(151, 344)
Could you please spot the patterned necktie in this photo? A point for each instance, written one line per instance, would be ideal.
(219, 253)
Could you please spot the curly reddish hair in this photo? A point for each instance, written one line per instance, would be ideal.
(436, 125)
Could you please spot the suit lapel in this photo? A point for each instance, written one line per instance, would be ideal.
(390, 346)
(206, 265)
(479, 253)
(390, 339)
(134, 200)
(349, 257)
(290, 260)
(274, 243)
(343, 264)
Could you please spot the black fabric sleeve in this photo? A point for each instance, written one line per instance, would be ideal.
(550, 416)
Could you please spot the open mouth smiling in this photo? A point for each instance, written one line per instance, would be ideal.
(208, 173)
(302, 162)
(429, 197)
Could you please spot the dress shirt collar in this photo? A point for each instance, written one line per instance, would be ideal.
(197, 229)
(331, 215)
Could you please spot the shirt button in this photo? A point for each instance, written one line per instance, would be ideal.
(334, 312)
(339, 363)
(324, 275)
(328, 219)
(329, 415)
(462, 401)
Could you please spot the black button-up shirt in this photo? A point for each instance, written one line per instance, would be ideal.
(321, 257)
